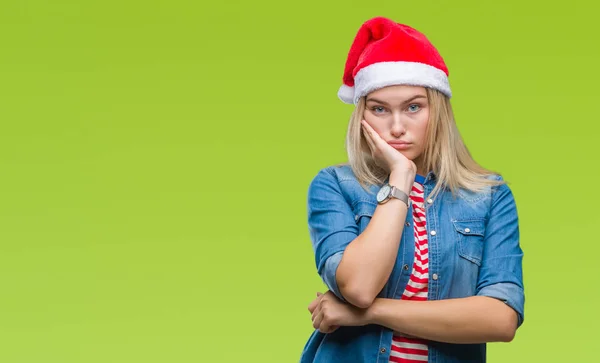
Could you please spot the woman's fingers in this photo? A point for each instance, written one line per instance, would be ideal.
(317, 318)
(384, 154)
(368, 136)
(313, 304)
(375, 138)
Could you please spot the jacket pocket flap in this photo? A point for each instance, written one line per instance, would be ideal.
(475, 227)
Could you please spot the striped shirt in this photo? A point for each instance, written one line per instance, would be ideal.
(410, 350)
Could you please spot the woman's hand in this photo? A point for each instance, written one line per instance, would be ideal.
(329, 313)
(386, 156)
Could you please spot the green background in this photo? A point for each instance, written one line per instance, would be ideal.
(155, 158)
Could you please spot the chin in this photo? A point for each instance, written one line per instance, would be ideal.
(410, 156)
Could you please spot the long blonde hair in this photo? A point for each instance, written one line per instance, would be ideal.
(445, 153)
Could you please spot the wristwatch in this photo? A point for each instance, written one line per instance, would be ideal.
(389, 191)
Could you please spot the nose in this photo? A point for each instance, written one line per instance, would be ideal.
(398, 127)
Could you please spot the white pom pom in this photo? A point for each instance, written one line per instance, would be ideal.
(346, 94)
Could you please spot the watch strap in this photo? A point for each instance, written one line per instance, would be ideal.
(399, 194)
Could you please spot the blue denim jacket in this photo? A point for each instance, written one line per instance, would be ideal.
(474, 251)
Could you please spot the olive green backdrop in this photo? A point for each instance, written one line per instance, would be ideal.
(155, 157)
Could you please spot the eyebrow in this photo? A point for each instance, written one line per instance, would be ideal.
(404, 102)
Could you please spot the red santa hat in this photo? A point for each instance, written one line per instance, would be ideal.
(386, 53)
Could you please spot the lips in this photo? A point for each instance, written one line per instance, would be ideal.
(400, 145)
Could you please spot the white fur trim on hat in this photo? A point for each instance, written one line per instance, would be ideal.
(346, 94)
(383, 74)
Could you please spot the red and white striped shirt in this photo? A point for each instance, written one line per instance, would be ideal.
(408, 350)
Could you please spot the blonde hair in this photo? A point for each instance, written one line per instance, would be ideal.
(445, 153)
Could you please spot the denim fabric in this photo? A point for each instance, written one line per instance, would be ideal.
(474, 251)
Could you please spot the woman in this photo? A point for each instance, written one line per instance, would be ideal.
(417, 244)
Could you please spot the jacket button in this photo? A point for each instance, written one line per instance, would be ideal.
(405, 267)
(407, 224)
(429, 200)
(467, 230)
(382, 350)
(434, 276)
(433, 233)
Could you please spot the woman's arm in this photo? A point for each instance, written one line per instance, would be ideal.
(355, 266)
(476, 319)
(368, 260)
(493, 314)
(496, 311)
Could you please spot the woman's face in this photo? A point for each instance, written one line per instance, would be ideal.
(400, 115)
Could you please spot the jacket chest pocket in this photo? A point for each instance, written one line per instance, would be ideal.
(470, 236)
(363, 211)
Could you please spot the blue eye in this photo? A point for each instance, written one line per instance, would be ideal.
(413, 108)
(378, 109)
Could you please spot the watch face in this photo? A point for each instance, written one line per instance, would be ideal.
(383, 193)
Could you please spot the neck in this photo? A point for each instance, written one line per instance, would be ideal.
(421, 170)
